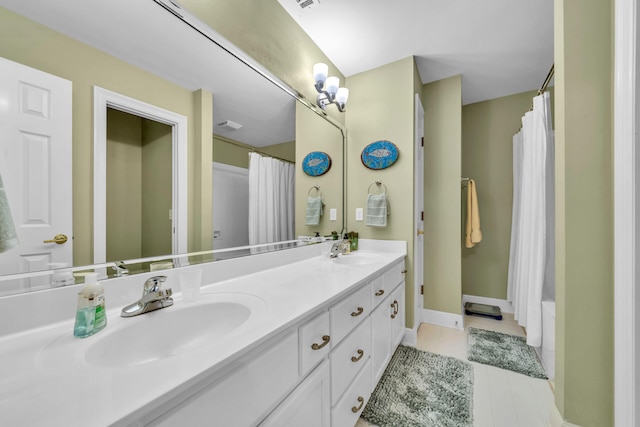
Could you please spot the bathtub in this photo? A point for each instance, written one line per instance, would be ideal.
(547, 352)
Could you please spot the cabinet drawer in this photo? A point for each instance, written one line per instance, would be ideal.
(315, 341)
(349, 358)
(378, 291)
(350, 406)
(348, 313)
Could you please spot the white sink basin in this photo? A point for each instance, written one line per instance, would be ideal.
(159, 334)
(358, 259)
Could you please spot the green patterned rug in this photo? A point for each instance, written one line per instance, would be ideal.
(422, 389)
(504, 351)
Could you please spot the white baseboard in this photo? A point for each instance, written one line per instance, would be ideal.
(505, 306)
(442, 318)
(410, 337)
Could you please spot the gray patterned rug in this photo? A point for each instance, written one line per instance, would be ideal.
(504, 351)
(422, 389)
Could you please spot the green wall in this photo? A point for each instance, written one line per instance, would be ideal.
(381, 106)
(124, 171)
(314, 134)
(268, 34)
(442, 211)
(583, 39)
(156, 194)
(138, 187)
(487, 157)
(34, 45)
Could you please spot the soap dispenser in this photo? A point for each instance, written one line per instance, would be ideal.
(91, 316)
(346, 244)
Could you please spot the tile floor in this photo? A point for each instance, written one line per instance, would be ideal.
(501, 398)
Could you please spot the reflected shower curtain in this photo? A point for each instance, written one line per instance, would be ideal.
(532, 252)
(271, 200)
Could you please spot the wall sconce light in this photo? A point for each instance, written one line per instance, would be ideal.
(332, 94)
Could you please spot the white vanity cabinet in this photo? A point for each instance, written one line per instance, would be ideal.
(387, 319)
(319, 374)
(241, 397)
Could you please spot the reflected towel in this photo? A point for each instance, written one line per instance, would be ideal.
(473, 234)
(377, 210)
(314, 210)
(8, 235)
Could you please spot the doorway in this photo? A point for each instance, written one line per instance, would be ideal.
(159, 120)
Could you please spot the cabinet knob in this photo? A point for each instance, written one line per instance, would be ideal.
(357, 408)
(380, 293)
(358, 312)
(325, 341)
(355, 359)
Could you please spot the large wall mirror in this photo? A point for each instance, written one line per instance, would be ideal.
(137, 133)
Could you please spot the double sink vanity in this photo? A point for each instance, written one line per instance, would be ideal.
(286, 338)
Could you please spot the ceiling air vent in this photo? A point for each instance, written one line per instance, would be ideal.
(307, 3)
(229, 125)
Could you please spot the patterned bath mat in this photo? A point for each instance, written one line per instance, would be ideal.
(504, 351)
(422, 389)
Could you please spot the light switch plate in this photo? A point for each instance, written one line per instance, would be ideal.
(333, 214)
(359, 214)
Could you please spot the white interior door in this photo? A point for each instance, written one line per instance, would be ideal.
(230, 206)
(35, 164)
(418, 244)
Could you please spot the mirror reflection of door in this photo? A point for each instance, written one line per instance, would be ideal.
(139, 187)
(35, 165)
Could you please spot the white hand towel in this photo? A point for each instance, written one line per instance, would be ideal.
(8, 235)
(314, 210)
(377, 210)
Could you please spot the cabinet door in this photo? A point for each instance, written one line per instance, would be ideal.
(397, 316)
(308, 405)
(244, 396)
(381, 338)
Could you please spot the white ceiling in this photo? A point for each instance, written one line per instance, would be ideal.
(500, 47)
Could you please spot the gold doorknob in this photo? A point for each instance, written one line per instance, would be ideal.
(420, 232)
(59, 239)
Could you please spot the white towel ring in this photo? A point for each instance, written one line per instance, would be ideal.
(314, 187)
(377, 183)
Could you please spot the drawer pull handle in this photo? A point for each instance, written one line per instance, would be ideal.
(355, 359)
(355, 409)
(380, 293)
(394, 305)
(358, 312)
(325, 341)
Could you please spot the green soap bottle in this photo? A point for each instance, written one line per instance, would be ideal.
(91, 316)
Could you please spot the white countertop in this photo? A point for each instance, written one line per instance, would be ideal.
(45, 379)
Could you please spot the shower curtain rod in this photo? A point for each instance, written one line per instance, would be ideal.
(545, 83)
(252, 149)
(547, 80)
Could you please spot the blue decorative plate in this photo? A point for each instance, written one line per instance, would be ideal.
(379, 155)
(316, 163)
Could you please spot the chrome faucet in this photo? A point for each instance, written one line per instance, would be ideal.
(153, 298)
(120, 268)
(337, 248)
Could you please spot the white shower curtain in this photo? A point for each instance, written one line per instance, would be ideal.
(271, 200)
(532, 253)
